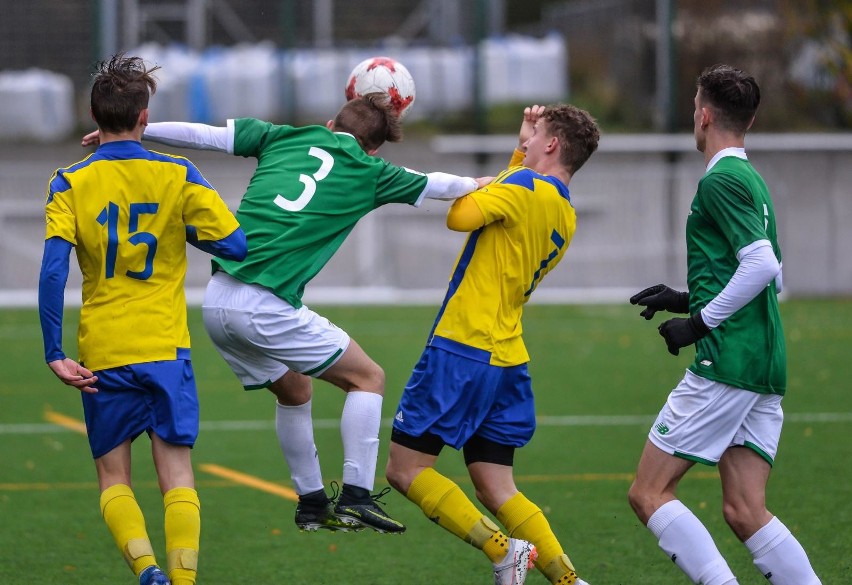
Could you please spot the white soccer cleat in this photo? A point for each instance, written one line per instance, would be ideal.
(512, 570)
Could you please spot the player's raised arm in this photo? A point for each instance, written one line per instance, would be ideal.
(531, 116)
(448, 187)
(192, 135)
(182, 135)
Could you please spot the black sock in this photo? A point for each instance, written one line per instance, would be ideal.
(317, 498)
(353, 494)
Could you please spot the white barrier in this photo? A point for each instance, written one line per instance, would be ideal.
(298, 85)
(35, 104)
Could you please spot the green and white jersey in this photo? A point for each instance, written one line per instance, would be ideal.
(731, 210)
(310, 188)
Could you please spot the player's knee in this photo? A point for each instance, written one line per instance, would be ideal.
(366, 377)
(637, 499)
(395, 477)
(742, 519)
(292, 389)
(378, 379)
(398, 475)
(370, 378)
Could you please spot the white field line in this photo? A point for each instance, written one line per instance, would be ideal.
(543, 421)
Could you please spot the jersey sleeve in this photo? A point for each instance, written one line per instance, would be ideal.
(251, 135)
(399, 185)
(205, 210)
(51, 288)
(59, 212)
(464, 215)
(728, 204)
(517, 159)
(506, 198)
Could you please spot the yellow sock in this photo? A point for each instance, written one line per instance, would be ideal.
(183, 534)
(444, 503)
(125, 521)
(525, 520)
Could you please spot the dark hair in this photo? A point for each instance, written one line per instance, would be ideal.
(120, 91)
(733, 94)
(370, 119)
(576, 131)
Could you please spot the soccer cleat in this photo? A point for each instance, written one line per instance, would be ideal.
(311, 518)
(153, 575)
(365, 513)
(519, 559)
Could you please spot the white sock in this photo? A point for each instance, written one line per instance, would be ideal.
(779, 556)
(359, 429)
(295, 430)
(685, 539)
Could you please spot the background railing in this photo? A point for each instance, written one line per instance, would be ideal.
(632, 199)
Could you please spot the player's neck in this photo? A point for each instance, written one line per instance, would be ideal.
(554, 170)
(719, 141)
(135, 135)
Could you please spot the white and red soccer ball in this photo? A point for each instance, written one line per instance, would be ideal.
(386, 75)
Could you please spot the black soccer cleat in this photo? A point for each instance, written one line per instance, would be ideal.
(362, 511)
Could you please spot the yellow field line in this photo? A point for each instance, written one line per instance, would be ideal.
(68, 422)
(231, 477)
(288, 494)
(250, 481)
(42, 486)
(217, 470)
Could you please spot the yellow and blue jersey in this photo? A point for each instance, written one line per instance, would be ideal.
(529, 223)
(128, 212)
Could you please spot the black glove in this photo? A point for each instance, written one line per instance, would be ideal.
(679, 333)
(661, 298)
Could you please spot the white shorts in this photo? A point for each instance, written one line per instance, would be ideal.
(262, 336)
(702, 418)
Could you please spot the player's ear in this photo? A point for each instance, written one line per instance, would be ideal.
(552, 144)
(143, 117)
(330, 124)
(706, 116)
(373, 151)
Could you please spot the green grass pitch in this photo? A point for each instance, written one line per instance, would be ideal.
(600, 373)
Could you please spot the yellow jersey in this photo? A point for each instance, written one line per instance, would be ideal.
(126, 210)
(529, 223)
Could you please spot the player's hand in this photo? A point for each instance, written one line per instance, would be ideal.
(679, 332)
(660, 298)
(531, 116)
(91, 139)
(73, 374)
(483, 181)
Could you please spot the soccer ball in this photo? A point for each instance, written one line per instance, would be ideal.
(385, 75)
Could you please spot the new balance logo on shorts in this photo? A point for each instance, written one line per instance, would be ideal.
(399, 416)
(661, 428)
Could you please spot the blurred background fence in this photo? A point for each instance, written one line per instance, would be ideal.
(631, 63)
(261, 81)
(632, 199)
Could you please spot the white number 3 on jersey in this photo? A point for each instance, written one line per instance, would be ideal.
(310, 182)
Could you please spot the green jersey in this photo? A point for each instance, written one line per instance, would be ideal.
(731, 210)
(310, 188)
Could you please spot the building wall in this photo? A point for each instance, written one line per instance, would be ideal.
(632, 208)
